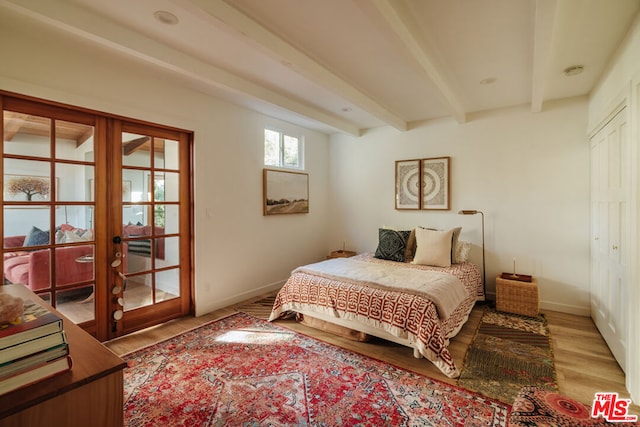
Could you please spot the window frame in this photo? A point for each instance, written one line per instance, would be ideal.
(281, 149)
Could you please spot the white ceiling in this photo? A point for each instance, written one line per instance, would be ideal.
(349, 65)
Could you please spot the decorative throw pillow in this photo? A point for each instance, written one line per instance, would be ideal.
(434, 247)
(454, 241)
(411, 246)
(411, 242)
(139, 247)
(392, 244)
(36, 237)
(72, 237)
(462, 250)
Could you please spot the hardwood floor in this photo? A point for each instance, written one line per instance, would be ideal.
(583, 361)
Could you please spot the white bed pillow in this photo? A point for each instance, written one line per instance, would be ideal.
(433, 247)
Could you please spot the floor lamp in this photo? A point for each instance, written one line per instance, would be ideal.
(484, 275)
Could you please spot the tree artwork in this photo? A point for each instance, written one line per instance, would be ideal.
(29, 185)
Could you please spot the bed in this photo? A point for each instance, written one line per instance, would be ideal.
(395, 294)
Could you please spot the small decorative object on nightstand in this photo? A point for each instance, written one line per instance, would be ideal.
(517, 293)
(341, 254)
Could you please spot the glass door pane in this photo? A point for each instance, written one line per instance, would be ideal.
(49, 244)
(151, 240)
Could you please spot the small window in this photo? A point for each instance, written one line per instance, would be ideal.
(282, 150)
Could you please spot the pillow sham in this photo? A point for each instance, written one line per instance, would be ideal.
(392, 244)
(434, 247)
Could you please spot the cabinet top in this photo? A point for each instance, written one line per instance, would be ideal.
(90, 361)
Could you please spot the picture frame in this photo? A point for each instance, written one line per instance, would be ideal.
(26, 188)
(435, 183)
(408, 185)
(284, 192)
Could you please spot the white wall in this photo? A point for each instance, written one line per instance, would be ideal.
(238, 252)
(528, 172)
(622, 82)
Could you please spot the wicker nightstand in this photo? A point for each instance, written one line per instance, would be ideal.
(517, 296)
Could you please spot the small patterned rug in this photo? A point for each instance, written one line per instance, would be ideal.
(241, 370)
(508, 352)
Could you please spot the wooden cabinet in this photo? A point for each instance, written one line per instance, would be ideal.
(90, 394)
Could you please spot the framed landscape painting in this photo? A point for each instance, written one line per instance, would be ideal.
(285, 192)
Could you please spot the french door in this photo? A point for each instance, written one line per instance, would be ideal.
(149, 227)
(96, 214)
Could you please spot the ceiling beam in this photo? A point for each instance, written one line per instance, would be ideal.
(77, 21)
(404, 26)
(223, 15)
(84, 137)
(134, 145)
(13, 123)
(542, 50)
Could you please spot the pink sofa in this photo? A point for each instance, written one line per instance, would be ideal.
(31, 268)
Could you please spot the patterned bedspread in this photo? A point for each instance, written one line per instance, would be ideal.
(406, 316)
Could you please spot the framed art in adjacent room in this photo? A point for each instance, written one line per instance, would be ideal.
(285, 192)
(408, 184)
(435, 183)
(27, 188)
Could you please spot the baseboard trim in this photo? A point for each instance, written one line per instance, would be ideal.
(244, 296)
(566, 308)
(554, 306)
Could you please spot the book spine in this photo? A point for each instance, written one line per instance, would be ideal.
(28, 334)
(31, 347)
(36, 374)
(27, 362)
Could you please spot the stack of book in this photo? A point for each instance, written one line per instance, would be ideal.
(32, 348)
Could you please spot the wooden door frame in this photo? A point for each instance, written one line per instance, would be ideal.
(103, 133)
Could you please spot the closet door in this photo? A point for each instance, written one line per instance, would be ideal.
(610, 227)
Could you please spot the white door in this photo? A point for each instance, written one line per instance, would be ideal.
(610, 197)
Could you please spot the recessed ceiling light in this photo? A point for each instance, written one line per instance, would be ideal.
(488, 81)
(165, 17)
(574, 70)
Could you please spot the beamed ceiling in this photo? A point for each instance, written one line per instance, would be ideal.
(349, 65)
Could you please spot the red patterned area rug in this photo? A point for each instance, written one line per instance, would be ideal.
(241, 370)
